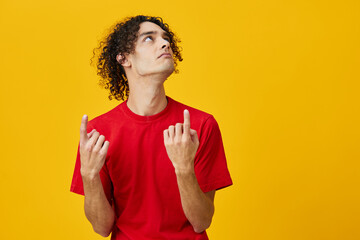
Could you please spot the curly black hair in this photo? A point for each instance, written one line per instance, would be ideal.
(121, 40)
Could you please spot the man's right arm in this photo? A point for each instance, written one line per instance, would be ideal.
(93, 150)
(98, 210)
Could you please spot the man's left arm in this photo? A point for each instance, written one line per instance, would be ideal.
(181, 144)
(197, 205)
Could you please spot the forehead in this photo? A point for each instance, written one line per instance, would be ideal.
(149, 26)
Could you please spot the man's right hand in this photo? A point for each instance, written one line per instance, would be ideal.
(93, 150)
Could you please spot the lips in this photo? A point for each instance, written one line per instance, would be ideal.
(165, 55)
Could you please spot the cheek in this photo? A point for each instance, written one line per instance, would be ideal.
(146, 57)
(143, 65)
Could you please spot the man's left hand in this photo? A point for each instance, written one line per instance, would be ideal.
(181, 144)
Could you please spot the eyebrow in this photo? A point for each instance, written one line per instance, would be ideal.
(153, 32)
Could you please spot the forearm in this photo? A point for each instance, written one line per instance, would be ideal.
(198, 208)
(98, 210)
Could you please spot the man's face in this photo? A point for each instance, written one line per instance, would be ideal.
(153, 54)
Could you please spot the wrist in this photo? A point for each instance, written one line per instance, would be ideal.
(89, 175)
(184, 170)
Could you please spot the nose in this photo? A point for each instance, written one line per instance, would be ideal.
(166, 44)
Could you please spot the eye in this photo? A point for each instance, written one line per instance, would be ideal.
(148, 37)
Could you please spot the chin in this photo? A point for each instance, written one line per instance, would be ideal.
(171, 69)
(166, 74)
(167, 70)
(164, 71)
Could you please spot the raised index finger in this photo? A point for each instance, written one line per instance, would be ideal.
(186, 122)
(83, 129)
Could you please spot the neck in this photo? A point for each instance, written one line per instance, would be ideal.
(146, 97)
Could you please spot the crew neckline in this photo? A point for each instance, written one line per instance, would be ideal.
(151, 118)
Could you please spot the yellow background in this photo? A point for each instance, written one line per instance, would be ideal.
(280, 77)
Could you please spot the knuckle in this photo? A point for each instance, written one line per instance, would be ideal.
(89, 148)
(102, 153)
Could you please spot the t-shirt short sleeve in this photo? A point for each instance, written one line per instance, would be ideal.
(210, 161)
(77, 183)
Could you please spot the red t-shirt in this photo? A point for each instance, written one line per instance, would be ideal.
(139, 177)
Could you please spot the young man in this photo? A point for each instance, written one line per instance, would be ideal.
(148, 168)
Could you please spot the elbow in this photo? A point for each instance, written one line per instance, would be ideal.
(205, 224)
(199, 230)
(104, 227)
(202, 227)
(103, 232)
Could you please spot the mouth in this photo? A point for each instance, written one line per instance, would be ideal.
(165, 55)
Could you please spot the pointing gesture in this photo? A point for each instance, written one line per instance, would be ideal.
(181, 143)
(93, 150)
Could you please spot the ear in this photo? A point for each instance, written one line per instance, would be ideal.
(122, 60)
